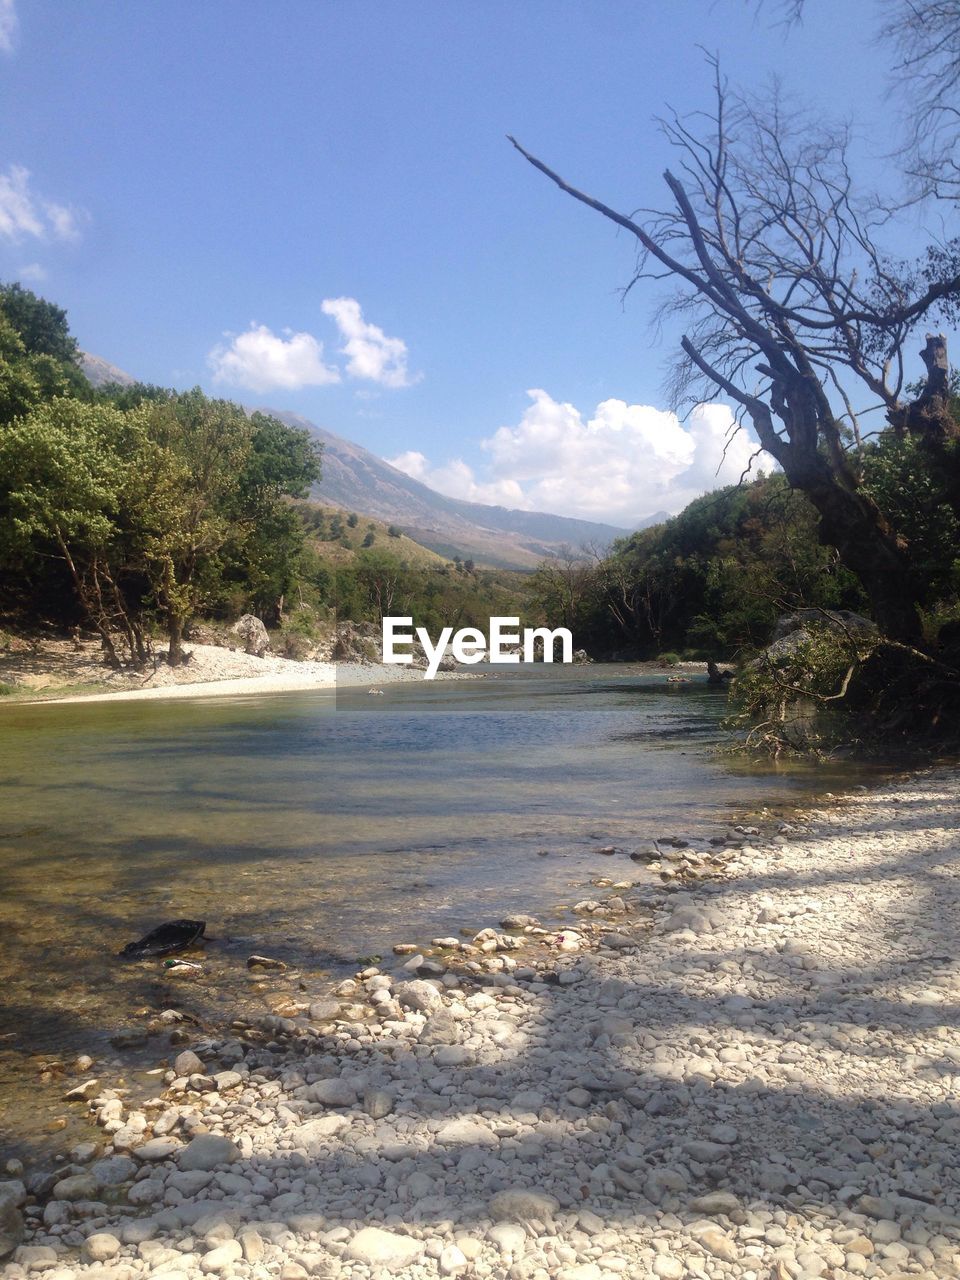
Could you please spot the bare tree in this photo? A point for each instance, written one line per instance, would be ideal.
(924, 38)
(792, 310)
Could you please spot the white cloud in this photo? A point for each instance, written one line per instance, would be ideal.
(265, 361)
(8, 25)
(624, 463)
(33, 272)
(370, 353)
(456, 480)
(63, 221)
(25, 214)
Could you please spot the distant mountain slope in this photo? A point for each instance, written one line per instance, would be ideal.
(99, 373)
(358, 480)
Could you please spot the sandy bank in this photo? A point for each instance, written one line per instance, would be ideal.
(212, 672)
(316, 676)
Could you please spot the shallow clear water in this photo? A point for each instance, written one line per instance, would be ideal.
(321, 828)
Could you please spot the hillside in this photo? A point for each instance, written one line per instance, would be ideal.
(354, 479)
(100, 373)
(357, 479)
(338, 542)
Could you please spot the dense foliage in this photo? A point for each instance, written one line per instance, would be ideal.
(135, 510)
(132, 507)
(713, 582)
(709, 583)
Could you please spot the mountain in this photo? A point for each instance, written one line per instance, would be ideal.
(357, 480)
(99, 373)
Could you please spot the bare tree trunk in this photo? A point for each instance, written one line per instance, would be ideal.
(131, 629)
(929, 417)
(95, 615)
(175, 632)
(851, 522)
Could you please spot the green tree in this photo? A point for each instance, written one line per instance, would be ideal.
(42, 325)
(66, 473)
(29, 375)
(212, 505)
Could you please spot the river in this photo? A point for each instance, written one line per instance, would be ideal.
(321, 828)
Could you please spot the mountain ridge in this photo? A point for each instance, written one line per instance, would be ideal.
(356, 479)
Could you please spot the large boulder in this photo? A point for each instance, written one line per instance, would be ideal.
(384, 1249)
(842, 620)
(793, 630)
(253, 634)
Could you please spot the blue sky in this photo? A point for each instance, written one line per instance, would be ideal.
(311, 204)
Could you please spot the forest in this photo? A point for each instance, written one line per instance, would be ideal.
(138, 511)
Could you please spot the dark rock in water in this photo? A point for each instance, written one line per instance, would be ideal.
(717, 677)
(265, 962)
(129, 1038)
(175, 935)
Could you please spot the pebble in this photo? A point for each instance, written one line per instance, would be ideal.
(207, 1151)
(753, 1075)
(222, 1257)
(522, 1202)
(100, 1247)
(386, 1249)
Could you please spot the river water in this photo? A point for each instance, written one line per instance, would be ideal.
(321, 828)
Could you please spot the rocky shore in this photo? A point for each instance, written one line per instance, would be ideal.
(742, 1064)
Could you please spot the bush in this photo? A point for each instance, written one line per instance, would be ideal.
(295, 646)
(822, 688)
(299, 634)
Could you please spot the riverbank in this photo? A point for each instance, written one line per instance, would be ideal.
(68, 671)
(748, 1067)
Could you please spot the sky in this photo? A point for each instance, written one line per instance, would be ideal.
(312, 205)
